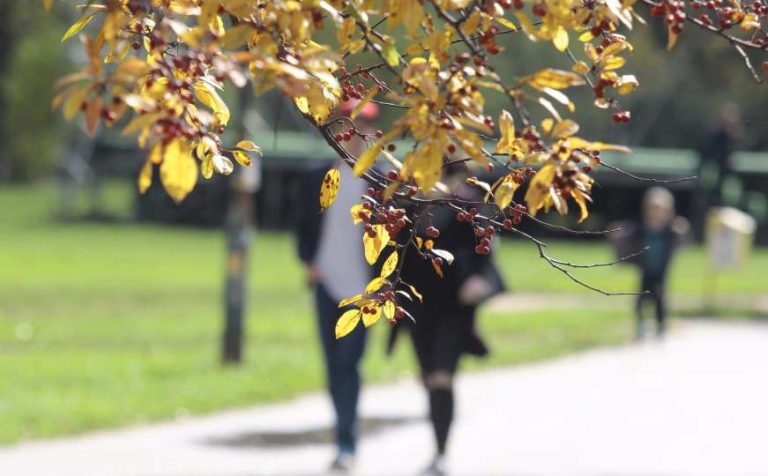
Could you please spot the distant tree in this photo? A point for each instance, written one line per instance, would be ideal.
(434, 62)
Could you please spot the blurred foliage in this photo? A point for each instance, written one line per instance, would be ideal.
(681, 95)
(31, 132)
(678, 103)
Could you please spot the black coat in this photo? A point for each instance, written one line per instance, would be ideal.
(441, 295)
(309, 220)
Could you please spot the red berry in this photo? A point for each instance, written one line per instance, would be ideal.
(433, 232)
(391, 147)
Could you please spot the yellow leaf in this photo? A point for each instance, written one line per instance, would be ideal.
(389, 265)
(580, 199)
(145, 176)
(560, 39)
(427, 165)
(375, 245)
(565, 128)
(506, 191)
(73, 102)
(389, 310)
(391, 56)
(241, 158)
(47, 4)
(503, 21)
(360, 105)
(672, 38)
(140, 122)
(350, 300)
(329, 188)
(581, 67)
(355, 212)
(554, 78)
(614, 62)
(205, 93)
(368, 158)
(178, 172)
(538, 189)
(370, 319)
(375, 284)
(347, 322)
(206, 168)
(416, 293)
(77, 27)
(249, 146)
(627, 84)
(506, 144)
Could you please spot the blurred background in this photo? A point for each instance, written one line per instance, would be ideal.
(113, 305)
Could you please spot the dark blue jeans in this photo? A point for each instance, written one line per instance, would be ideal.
(342, 362)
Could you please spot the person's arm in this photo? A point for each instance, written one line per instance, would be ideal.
(307, 227)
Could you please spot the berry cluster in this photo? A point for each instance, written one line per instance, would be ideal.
(515, 212)
(484, 234)
(372, 213)
(358, 90)
(672, 11)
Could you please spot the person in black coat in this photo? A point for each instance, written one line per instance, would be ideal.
(444, 327)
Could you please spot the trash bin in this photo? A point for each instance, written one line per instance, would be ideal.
(729, 236)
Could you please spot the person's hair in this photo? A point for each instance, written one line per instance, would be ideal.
(659, 196)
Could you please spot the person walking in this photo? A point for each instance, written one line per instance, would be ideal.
(444, 327)
(654, 239)
(331, 248)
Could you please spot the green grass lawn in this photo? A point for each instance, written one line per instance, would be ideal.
(106, 325)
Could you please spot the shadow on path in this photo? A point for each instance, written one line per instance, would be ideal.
(310, 436)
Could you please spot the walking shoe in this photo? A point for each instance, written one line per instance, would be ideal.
(343, 462)
(436, 467)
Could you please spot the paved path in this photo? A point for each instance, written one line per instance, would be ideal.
(696, 404)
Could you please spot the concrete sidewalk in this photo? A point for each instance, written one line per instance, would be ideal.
(696, 404)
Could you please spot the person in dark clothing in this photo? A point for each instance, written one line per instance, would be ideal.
(331, 248)
(660, 233)
(444, 327)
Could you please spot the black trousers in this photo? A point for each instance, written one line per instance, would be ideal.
(657, 295)
(342, 365)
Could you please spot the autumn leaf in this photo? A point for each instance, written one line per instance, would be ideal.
(363, 102)
(145, 177)
(178, 172)
(375, 284)
(554, 78)
(538, 189)
(329, 188)
(560, 39)
(581, 199)
(506, 144)
(347, 322)
(205, 93)
(390, 264)
(370, 318)
(374, 245)
(389, 310)
(505, 191)
(351, 300)
(77, 27)
(368, 158)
